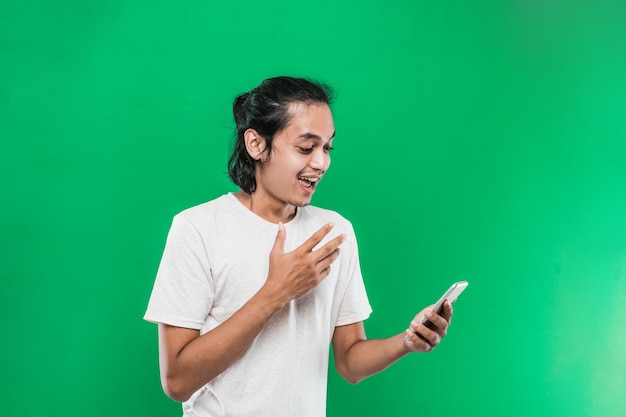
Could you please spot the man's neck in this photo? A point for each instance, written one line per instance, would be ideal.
(267, 209)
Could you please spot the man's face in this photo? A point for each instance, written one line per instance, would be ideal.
(299, 158)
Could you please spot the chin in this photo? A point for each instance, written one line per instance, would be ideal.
(301, 203)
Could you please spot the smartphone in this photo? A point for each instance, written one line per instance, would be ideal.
(451, 295)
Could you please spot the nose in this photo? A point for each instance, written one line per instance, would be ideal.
(320, 160)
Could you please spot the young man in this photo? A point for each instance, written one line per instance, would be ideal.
(254, 286)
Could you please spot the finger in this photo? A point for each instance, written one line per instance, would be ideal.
(418, 343)
(429, 336)
(328, 260)
(447, 311)
(437, 321)
(421, 317)
(324, 273)
(279, 243)
(316, 238)
(329, 248)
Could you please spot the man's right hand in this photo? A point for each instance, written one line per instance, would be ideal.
(189, 360)
(294, 273)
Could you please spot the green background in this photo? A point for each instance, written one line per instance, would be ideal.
(477, 140)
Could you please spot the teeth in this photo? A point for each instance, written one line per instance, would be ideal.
(310, 179)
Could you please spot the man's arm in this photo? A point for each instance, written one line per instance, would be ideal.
(188, 360)
(356, 357)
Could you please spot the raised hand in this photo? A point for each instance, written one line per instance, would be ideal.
(294, 273)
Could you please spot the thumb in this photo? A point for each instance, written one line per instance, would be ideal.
(279, 243)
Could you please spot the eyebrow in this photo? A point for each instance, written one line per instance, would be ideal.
(313, 136)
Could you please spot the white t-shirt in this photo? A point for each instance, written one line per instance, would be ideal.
(216, 258)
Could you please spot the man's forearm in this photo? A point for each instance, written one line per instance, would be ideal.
(188, 361)
(368, 357)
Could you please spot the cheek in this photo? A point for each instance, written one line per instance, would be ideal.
(327, 161)
(286, 172)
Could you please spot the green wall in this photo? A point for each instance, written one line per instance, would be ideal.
(477, 140)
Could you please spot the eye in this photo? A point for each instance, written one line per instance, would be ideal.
(305, 150)
(327, 149)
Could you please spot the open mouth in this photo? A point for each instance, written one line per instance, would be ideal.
(308, 182)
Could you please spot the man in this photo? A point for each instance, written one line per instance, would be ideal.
(254, 286)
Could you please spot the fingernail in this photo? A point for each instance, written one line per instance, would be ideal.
(280, 226)
(331, 225)
(428, 313)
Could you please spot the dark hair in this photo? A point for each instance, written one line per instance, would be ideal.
(266, 109)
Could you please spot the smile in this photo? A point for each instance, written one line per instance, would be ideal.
(308, 182)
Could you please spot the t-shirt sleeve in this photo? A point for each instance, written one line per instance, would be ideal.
(183, 289)
(355, 305)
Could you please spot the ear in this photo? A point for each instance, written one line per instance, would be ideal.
(255, 144)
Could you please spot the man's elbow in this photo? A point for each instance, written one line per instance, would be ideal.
(175, 389)
(349, 376)
(353, 380)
